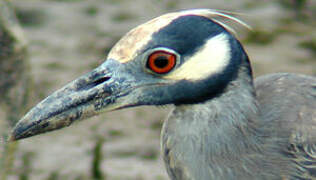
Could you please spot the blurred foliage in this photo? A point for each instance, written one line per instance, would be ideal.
(125, 153)
(53, 176)
(67, 0)
(260, 37)
(96, 169)
(309, 45)
(55, 66)
(30, 18)
(7, 160)
(172, 4)
(300, 8)
(296, 5)
(156, 125)
(168, 4)
(123, 16)
(26, 165)
(15, 81)
(91, 10)
(116, 133)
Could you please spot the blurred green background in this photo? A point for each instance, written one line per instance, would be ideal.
(58, 40)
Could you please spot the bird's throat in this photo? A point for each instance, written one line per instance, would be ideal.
(212, 134)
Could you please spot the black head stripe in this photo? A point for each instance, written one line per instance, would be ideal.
(186, 34)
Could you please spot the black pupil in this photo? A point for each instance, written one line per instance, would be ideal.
(161, 61)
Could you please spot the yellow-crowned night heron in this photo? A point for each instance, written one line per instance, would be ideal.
(223, 125)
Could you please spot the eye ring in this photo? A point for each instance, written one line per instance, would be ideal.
(161, 61)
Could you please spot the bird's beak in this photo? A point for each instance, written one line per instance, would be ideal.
(100, 90)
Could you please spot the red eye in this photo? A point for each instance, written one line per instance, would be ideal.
(161, 61)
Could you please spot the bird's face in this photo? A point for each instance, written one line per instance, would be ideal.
(178, 58)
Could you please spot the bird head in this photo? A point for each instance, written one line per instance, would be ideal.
(184, 57)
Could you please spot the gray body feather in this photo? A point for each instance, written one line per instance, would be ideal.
(263, 131)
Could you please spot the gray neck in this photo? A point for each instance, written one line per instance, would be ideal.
(218, 139)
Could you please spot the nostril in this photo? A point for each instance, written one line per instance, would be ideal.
(101, 80)
(84, 85)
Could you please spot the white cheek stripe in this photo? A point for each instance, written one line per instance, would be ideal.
(212, 58)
